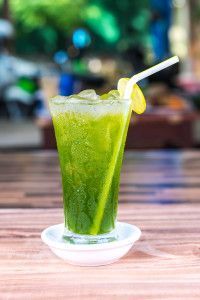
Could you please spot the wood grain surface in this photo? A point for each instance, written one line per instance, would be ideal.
(160, 193)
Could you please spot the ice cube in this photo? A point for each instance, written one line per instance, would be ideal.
(89, 94)
(104, 97)
(113, 94)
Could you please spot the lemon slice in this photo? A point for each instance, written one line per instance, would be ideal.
(138, 100)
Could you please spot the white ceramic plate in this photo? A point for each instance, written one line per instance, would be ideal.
(91, 254)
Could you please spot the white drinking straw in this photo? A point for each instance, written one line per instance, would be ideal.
(148, 72)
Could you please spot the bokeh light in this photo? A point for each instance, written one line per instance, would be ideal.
(95, 65)
(81, 38)
(60, 57)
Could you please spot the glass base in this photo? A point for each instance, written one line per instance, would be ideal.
(74, 238)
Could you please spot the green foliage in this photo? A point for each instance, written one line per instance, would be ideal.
(102, 22)
(61, 14)
(43, 26)
(132, 19)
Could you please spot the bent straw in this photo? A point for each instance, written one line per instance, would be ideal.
(148, 72)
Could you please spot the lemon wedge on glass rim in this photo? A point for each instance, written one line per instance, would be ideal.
(137, 97)
(128, 88)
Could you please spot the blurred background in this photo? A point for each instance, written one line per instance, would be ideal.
(61, 47)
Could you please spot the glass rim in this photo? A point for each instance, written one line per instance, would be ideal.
(65, 100)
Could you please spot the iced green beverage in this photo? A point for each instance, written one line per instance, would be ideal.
(90, 134)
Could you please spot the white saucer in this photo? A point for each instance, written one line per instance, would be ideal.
(91, 254)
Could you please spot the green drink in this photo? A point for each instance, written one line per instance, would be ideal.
(90, 136)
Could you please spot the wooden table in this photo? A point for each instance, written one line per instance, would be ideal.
(160, 193)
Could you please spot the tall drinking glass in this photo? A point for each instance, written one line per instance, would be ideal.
(90, 137)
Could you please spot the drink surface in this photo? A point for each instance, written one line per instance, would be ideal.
(90, 138)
